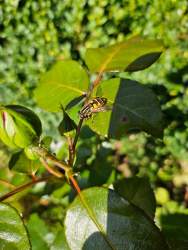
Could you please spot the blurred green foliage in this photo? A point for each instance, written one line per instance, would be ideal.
(36, 33)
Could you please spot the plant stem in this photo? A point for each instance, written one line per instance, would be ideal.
(75, 184)
(50, 158)
(73, 149)
(21, 188)
(98, 79)
(51, 170)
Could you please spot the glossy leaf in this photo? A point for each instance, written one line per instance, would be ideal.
(19, 126)
(134, 54)
(4, 136)
(13, 234)
(27, 116)
(134, 108)
(65, 81)
(20, 163)
(138, 191)
(15, 132)
(124, 225)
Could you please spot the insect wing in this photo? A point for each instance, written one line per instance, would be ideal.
(102, 109)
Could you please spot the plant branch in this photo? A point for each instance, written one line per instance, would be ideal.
(50, 169)
(75, 184)
(50, 158)
(97, 80)
(21, 188)
(73, 149)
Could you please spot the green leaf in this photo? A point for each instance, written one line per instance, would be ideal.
(38, 232)
(132, 55)
(46, 141)
(178, 244)
(20, 163)
(19, 126)
(65, 81)
(26, 116)
(138, 191)
(124, 225)
(44, 236)
(134, 108)
(13, 234)
(75, 102)
(101, 168)
(174, 226)
(67, 124)
(73, 113)
(5, 130)
(60, 242)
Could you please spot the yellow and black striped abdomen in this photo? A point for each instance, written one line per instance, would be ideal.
(93, 106)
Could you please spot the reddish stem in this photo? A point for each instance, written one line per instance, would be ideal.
(75, 184)
(21, 188)
(50, 170)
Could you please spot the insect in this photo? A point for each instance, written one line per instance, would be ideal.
(94, 106)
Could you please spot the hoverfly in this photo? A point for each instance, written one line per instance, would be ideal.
(98, 104)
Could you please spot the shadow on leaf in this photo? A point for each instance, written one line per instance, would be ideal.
(135, 108)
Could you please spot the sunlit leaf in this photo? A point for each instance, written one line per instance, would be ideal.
(134, 108)
(124, 226)
(19, 126)
(27, 116)
(13, 234)
(65, 81)
(132, 55)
